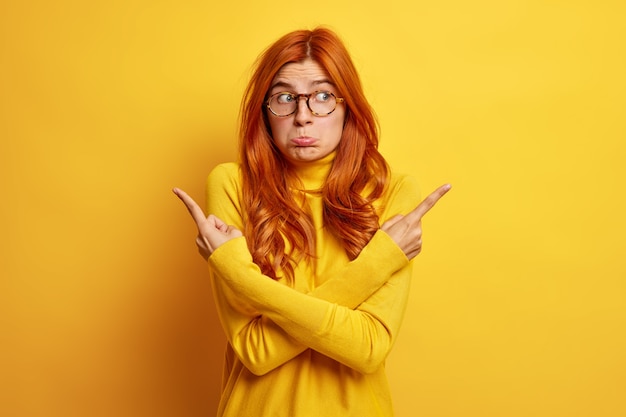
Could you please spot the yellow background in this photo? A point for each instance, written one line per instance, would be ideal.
(519, 302)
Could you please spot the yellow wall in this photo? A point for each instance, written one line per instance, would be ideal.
(519, 303)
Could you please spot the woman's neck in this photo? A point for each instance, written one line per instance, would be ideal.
(313, 174)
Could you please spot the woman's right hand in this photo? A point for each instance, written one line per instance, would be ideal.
(406, 231)
(212, 232)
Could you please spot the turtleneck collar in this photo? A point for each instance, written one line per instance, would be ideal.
(313, 174)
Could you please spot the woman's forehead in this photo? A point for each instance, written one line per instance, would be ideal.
(301, 74)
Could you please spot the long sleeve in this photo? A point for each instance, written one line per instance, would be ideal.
(352, 317)
(359, 338)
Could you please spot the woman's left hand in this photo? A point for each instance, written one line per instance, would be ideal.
(406, 231)
(212, 232)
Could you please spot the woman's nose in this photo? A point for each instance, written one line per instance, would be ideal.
(303, 115)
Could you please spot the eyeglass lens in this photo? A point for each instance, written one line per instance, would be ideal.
(321, 103)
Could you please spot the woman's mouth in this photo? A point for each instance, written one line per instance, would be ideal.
(303, 141)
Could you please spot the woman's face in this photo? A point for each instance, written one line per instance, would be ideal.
(302, 136)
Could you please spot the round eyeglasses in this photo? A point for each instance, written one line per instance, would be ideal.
(321, 103)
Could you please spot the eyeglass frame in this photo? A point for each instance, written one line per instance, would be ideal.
(308, 97)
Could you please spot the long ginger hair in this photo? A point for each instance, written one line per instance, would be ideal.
(277, 227)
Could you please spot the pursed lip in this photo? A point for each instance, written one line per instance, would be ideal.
(303, 141)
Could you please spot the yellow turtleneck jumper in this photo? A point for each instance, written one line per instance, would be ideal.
(316, 348)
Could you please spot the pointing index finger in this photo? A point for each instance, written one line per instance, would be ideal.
(194, 209)
(428, 203)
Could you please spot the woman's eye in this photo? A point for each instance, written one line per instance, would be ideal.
(285, 98)
(322, 96)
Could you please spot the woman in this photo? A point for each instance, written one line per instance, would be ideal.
(310, 288)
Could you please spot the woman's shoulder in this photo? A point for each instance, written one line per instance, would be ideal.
(224, 175)
(401, 195)
(404, 181)
(225, 169)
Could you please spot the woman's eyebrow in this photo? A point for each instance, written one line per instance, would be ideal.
(323, 81)
(289, 87)
(281, 84)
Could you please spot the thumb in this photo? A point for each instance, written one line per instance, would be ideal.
(392, 221)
